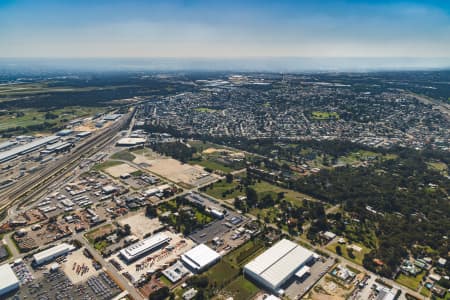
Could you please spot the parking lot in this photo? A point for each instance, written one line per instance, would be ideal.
(219, 228)
(56, 285)
(78, 267)
(297, 288)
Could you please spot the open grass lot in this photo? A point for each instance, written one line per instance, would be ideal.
(56, 118)
(123, 155)
(241, 288)
(98, 232)
(439, 166)
(226, 273)
(425, 292)
(323, 115)
(205, 109)
(107, 164)
(410, 281)
(263, 188)
(211, 164)
(363, 155)
(358, 256)
(220, 187)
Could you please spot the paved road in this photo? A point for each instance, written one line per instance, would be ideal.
(111, 270)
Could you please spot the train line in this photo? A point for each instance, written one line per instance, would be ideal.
(24, 191)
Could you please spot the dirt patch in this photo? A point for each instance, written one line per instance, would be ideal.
(118, 170)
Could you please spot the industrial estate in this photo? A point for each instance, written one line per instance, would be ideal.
(197, 194)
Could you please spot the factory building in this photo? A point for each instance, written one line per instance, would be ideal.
(200, 258)
(137, 250)
(8, 280)
(52, 253)
(83, 134)
(278, 265)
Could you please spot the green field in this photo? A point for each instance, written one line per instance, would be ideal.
(425, 292)
(123, 155)
(107, 164)
(359, 256)
(241, 288)
(323, 115)
(17, 91)
(410, 281)
(221, 186)
(211, 164)
(363, 155)
(57, 118)
(263, 188)
(205, 110)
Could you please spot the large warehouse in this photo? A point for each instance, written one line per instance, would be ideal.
(140, 248)
(199, 258)
(52, 253)
(8, 280)
(27, 148)
(278, 264)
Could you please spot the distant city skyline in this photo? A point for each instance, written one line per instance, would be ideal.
(225, 29)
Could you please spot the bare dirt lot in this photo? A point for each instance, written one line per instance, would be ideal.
(175, 171)
(140, 224)
(118, 170)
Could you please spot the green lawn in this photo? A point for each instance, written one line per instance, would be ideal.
(165, 281)
(222, 273)
(222, 186)
(123, 155)
(241, 288)
(264, 187)
(410, 281)
(358, 256)
(211, 164)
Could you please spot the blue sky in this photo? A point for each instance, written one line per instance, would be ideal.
(325, 28)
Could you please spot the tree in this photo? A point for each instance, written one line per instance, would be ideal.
(252, 197)
(127, 229)
(160, 294)
(338, 250)
(229, 178)
(151, 211)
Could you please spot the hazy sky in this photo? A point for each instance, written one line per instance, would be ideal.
(316, 28)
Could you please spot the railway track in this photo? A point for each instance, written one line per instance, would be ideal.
(24, 191)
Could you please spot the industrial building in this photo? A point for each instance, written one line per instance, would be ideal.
(52, 253)
(8, 280)
(130, 142)
(200, 258)
(27, 148)
(83, 134)
(137, 250)
(278, 265)
(111, 117)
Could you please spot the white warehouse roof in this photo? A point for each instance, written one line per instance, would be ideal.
(130, 141)
(8, 280)
(134, 251)
(52, 253)
(276, 265)
(200, 257)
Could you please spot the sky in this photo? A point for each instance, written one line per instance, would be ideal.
(224, 29)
